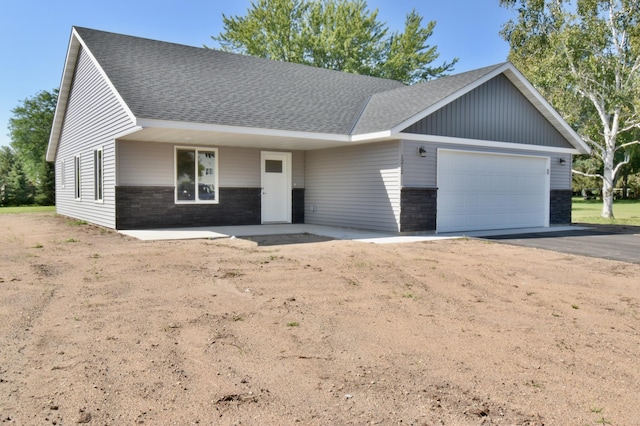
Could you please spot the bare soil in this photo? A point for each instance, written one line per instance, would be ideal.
(98, 328)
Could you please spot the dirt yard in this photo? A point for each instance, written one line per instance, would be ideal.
(98, 328)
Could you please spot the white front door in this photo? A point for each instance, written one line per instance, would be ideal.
(276, 187)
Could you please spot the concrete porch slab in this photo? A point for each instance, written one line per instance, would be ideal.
(337, 233)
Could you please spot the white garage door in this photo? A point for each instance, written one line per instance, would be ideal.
(478, 191)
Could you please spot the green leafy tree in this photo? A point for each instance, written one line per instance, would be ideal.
(29, 128)
(17, 190)
(7, 162)
(583, 56)
(336, 34)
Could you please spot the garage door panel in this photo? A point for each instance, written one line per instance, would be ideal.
(479, 191)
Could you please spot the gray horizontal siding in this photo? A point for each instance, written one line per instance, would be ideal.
(495, 111)
(151, 164)
(421, 172)
(354, 187)
(93, 118)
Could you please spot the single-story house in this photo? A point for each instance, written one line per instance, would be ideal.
(150, 134)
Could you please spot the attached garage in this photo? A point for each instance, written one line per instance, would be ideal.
(481, 191)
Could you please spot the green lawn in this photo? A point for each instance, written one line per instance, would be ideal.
(28, 209)
(626, 212)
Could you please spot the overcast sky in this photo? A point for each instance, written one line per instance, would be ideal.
(34, 34)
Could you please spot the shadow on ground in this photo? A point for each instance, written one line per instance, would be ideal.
(286, 239)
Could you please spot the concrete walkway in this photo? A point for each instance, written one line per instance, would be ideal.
(337, 233)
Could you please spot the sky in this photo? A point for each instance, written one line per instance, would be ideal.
(34, 34)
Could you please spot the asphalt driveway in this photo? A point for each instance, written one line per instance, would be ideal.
(614, 242)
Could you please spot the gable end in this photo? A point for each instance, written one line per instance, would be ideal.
(494, 111)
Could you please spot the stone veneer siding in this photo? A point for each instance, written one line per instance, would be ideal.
(145, 207)
(418, 209)
(297, 205)
(560, 207)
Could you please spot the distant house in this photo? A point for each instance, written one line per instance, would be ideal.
(149, 134)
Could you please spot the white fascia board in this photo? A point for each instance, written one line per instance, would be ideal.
(371, 136)
(183, 125)
(63, 95)
(556, 120)
(447, 100)
(492, 144)
(73, 51)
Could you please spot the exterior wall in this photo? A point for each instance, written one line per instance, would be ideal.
(421, 172)
(94, 117)
(560, 207)
(146, 188)
(419, 208)
(145, 207)
(355, 186)
(495, 111)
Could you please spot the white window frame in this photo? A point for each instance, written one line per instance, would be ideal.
(77, 177)
(98, 175)
(215, 175)
(63, 176)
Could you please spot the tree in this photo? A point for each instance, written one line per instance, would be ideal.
(583, 56)
(7, 162)
(29, 128)
(336, 34)
(14, 187)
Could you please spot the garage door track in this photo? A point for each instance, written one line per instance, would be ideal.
(614, 242)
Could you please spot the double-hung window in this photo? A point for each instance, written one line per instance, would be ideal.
(196, 176)
(98, 185)
(76, 177)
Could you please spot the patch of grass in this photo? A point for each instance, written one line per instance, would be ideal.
(626, 212)
(76, 222)
(353, 282)
(38, 246)
(28, 209)
(574, 306)
(71, 240)
(293, 324)
(409, 296)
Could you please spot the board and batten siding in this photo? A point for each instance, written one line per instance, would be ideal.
(357, 186)
(494, 111)
(152, 164)
(93, 118)
(421, 172)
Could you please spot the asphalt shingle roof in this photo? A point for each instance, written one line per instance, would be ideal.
(387, 109)
(166, 81)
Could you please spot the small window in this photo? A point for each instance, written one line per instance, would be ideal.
(98, 187)
(196, 175)
(63, 177)
(76, 177)
(273, 166)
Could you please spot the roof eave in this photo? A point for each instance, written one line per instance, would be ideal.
(526, 88)
(75, 45)
(63, 94)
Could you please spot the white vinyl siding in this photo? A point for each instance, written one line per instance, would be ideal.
(357, 186)
(145, 164)
(93, 118)
(422, 171)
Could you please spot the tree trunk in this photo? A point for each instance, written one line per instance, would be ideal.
(607, 183)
